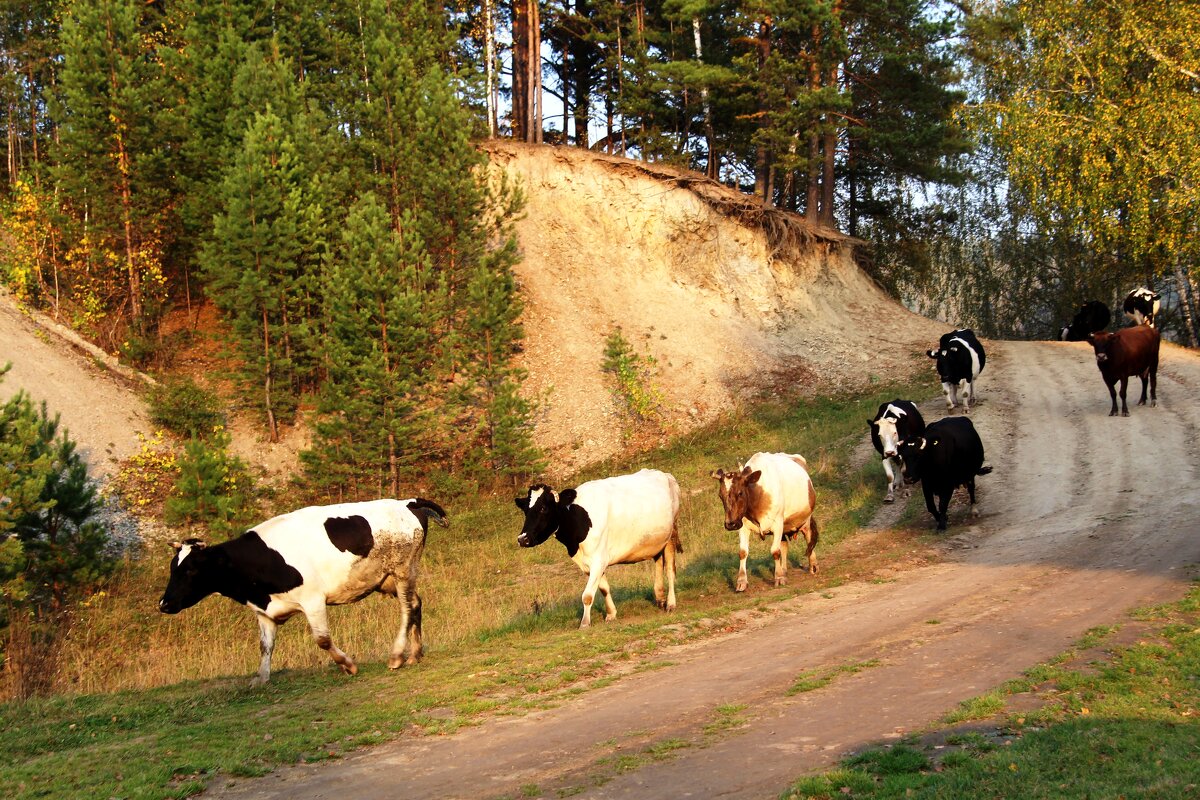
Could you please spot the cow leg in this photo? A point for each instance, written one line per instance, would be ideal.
(318, 623)
(406, 649)
(967, 390)
(929, 504)
(266, 641)
(949, 390)
(811, 535)
(971, 492)
(779, 553)
(891, 476)
(943, 507)
(416, 645)
(589, 593)
(743, 553)
(1124, 405)
(610, 608)
(1112, 392)
(659, 565)
(1154, 385)
(1144, 377)
(669, 568)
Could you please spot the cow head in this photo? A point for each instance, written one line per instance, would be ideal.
(736, 491)
(1100, 342)
(191, 577)
(885, 428)
(543, 513)
(944, 357)
(912, 454)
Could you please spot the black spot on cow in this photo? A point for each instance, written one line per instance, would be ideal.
(350, 534)
(563, 519)
(244, 569)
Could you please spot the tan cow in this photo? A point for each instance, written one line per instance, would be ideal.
(772, 494)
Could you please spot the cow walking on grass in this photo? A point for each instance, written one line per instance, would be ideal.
(619, 520)
(298, 563)
(773, 494)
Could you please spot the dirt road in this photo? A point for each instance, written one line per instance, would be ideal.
(1085, 516)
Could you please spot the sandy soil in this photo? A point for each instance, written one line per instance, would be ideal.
(1085, 516)
(99, 405)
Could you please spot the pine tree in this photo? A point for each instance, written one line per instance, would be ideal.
(119, 131)
(53, 551)
(263, 258)
(378, 347)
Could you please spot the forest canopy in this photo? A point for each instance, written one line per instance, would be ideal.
(311, 170)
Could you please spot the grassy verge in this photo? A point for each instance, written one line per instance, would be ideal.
(1112, 720)
(501, 617)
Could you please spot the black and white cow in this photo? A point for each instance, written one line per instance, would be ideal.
(1141, 305)
(948, 455)
(960, 359)
(1093, 317)
(894, 422)
(619, 520)
(302, 561)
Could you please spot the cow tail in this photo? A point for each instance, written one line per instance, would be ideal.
(816, 534)
(984, 470)
(425, 510)
(675, 540)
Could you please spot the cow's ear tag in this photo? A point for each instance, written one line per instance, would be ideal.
(922, 447)
(934, 442)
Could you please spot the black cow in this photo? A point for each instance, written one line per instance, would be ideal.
(960, 359)
(1129, 351)
(894, 422)
(949, 455)
(298, 563)
(1141, 306)
(1093, 317)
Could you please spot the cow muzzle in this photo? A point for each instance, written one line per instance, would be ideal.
(733, 526)
(890, 454)
(165, 607)
(523, 539)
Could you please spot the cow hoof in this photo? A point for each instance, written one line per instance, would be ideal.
(395, 662)
(670, 607)
(662, 604)
(1125, 413)
(258, 681)
(741, 586)
(350, 669)
(411, 661)
(889, 499)
(812, 570)
(941, 526)
(781, 581)
(610, 617)
(585, 624)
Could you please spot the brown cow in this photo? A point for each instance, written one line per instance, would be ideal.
(1128, 352)
(772, 494)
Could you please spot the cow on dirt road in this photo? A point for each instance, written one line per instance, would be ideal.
(619, 520)
(302, 561)
(773, 494)
(948, 455)
(1123, 354)
(893, 423)
(960, 359)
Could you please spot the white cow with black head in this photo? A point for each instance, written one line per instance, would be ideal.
(300, 562)
(619, 520)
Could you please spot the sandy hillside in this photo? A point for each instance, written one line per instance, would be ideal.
(729, 299)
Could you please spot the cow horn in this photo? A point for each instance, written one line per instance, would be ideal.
(719, 474)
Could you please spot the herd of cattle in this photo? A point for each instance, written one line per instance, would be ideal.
(306, 560)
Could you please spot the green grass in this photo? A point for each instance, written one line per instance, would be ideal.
(818, 679)
(1127, 725)
(505, 618)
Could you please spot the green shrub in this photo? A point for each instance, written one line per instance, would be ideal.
(632, 372)
(184, 407)
(213, 486)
